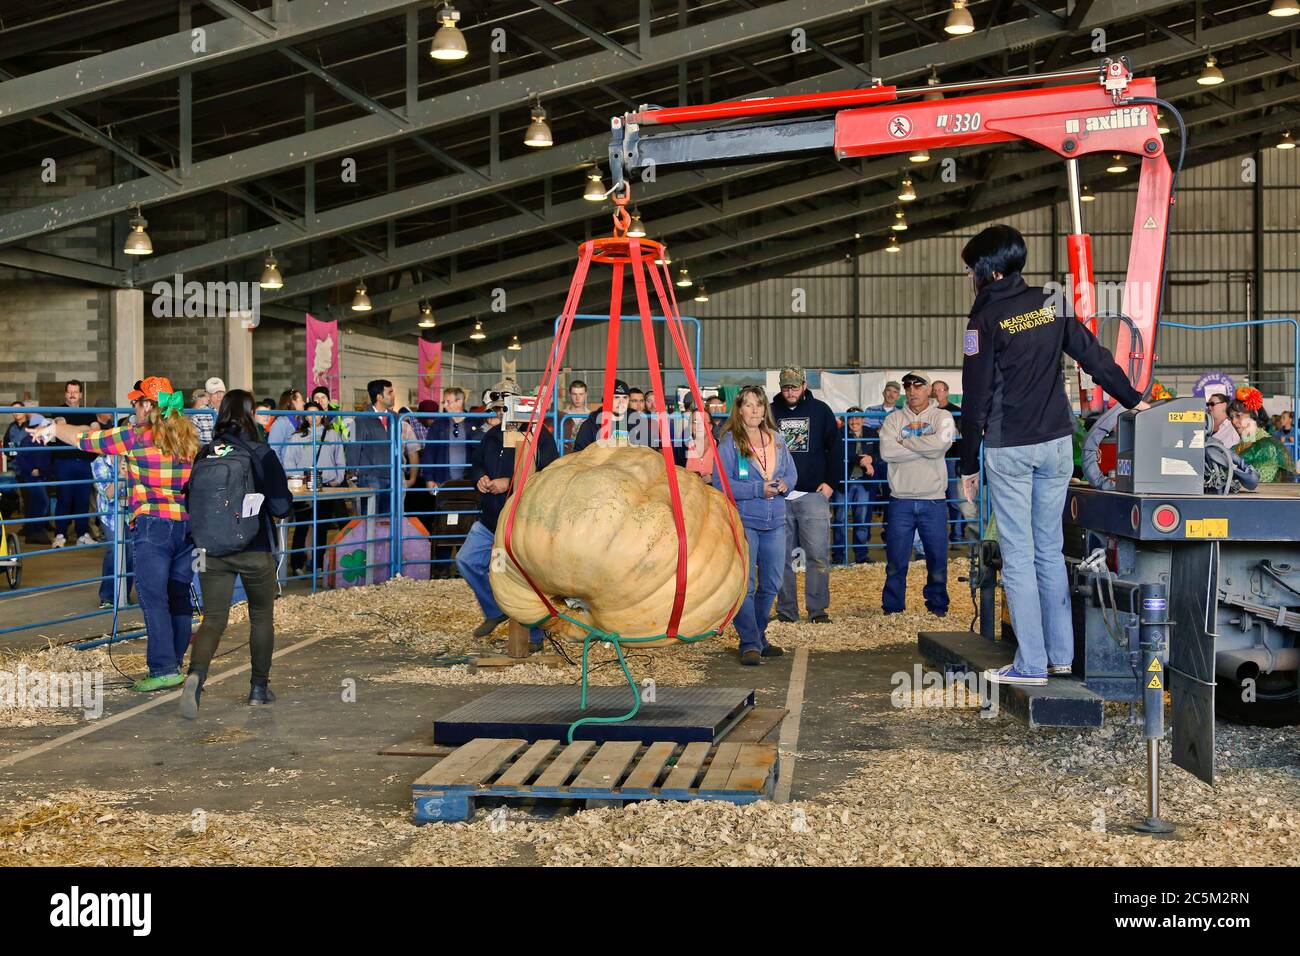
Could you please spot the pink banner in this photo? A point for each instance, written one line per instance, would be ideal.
(430, 371)
(323, 356)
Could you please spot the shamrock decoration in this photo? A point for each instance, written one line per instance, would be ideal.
(353, 565)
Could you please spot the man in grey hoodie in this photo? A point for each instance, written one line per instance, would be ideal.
(914, 440)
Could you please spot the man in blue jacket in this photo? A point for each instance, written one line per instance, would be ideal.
(492, 469)
(808, 426)
(33, 466)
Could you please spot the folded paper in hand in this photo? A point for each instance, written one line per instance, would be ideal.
(252, 504)
(795, 495)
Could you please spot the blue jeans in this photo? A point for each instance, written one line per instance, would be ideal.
(36, 504)
(474, 559)
(1028, 486)
(807, 527)
(73, 499)
(108, 584)
(163, 558)
(909, 517)
(767, 559)
(956, 520)
(853, 501)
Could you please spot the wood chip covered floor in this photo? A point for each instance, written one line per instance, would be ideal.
(873, 783)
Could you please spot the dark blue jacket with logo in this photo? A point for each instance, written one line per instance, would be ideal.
(809, 429)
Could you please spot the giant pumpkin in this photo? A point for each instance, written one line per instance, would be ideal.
(595, 529)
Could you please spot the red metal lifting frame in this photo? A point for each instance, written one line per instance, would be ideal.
(1116, 113)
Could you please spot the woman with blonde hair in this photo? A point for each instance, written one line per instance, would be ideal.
(157, 448)
(761, 472)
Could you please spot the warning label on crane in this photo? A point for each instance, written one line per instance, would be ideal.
(900, 127)
(1155, 665)
(1150, 223)
(1154, 683)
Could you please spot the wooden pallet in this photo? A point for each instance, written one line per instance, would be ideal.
(599, 775)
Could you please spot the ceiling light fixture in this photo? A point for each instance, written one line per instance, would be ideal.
(448, 42)
(959, 22)
(361, 301)
(538, 133)
(271, 277)
(138, 242)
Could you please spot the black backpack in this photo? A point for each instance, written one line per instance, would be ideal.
(224, 472)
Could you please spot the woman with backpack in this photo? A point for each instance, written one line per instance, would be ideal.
(234, 529)
(320, 458)
(158, 451)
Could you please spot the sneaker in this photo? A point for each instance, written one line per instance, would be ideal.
(489, 625)
(150, 684)
(260, 694)
(771, 651)
(85, 539)
(822, 618)
(190, 695)
(1009, 675)
(750, 658)
(1060, 670)
(105, 605)
(59, 541)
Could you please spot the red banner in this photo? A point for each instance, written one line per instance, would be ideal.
(323, 356)
(430, 371)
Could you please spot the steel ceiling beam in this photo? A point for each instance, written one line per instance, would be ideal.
(75, 269)
(340, 139)
(568, 158)
(883, 168)
(166, 57)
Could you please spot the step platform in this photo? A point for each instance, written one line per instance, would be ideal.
(594, 774)
(678, 714)
(1063, 702)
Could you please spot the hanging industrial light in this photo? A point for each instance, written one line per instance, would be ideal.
(1086, 195)
(921, 155)
(478, 335)
(138, 242)
(906, 192)
(1117, 165)
(900, 221)
(959, 22)
(595, 191)
(933, 80)
(664, 259)
(448, 42)
(1211, 75)
(1286, 142)
(700, 294)
(636, 229)
(538, 133)
(684, 279)
(427, 320)
(361, 301)
(1162, 127)
(514, 345)
(271, 278)
(1284, 8)
(893, 245)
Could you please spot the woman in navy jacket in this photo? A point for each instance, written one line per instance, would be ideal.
(761, 472)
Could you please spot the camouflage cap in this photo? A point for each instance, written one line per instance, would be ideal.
(792, 375)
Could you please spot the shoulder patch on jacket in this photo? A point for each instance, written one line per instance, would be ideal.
(971, 345)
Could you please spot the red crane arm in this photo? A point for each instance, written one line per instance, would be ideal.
(1114, 114)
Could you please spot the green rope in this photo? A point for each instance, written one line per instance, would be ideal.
(595, 633)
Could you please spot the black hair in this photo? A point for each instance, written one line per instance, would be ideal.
(267, 403)
(999, 248)
(376, 388)
(236, 416)
(1238, 407)
(635, 390)
(77, 382)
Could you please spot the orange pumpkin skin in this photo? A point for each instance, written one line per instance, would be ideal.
(597, 527)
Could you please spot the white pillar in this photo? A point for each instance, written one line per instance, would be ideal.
(127, 317)
(239, 354)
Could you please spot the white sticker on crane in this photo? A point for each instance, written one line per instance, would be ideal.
(1198, 440)
(1176, 466)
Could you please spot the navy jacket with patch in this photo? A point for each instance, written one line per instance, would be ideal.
(1013, 391)
(809, 429)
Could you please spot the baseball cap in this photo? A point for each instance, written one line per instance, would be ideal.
(792, 375)
(852, 410)
(498, 393)
(214, 385)
(915, 378)
(621, 388)
(149, 388)
(894, 383)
